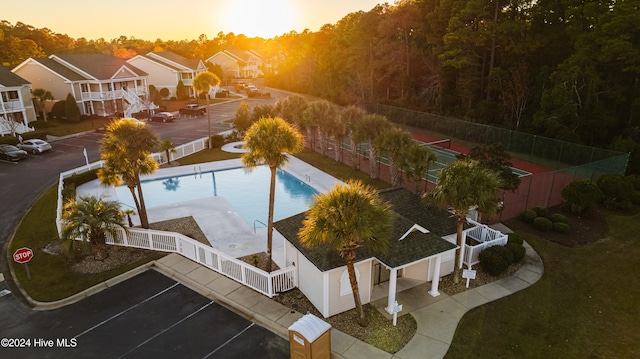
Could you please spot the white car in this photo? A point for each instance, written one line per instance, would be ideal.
(34, 146)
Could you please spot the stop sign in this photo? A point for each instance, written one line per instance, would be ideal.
(23, 255)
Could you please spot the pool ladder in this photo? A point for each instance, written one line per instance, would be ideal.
(254, 225)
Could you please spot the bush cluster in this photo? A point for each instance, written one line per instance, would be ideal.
(581, 194)
(495, 260)
(618, 192)
(544, 221)
(517, 250)
(528, 215)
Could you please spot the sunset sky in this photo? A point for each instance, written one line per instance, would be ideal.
(179, 20)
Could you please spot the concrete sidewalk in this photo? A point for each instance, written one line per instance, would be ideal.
(437, 318)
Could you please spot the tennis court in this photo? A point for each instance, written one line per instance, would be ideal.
(445, 155)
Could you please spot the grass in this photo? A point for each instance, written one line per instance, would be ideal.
(339, 170)
(51, 276)
(62, 128)
(584, 306)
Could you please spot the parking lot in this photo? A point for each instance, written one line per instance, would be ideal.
(147, 316)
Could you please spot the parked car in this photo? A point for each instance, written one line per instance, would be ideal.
(12, 153)
(252, 90)
(163, 117)
(34, 146)
(193, 110)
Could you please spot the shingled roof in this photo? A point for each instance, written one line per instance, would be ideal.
(415, 246)
(171, 56)
(9, 79)
(100, 66)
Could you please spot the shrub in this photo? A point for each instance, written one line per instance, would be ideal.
(581, 194)
(217, 141)
(541, 211)
(634, 180)
(518, 251)
(528, 215)
(57, 111)
(561, 227)
(515, 238)
(558, 217)
(71, 110)
(8, 140)
(40, 134)
(612, 203)
(543, 224)
(495, 260)
(40, 124)
(616, 190)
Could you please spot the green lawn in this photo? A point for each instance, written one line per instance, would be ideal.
(586, 305)
(51, 276)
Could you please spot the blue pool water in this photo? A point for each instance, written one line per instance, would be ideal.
(247, 192)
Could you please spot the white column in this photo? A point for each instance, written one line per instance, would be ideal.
(436, 277)
(393, 278)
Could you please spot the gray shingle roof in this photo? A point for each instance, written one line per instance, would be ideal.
(189, 63)
(100, 66)
(62, 70)
(413, 247)
(9, 79)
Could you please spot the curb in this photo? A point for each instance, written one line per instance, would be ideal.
(43, 306)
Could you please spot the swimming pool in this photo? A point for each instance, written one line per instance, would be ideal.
(247, 192)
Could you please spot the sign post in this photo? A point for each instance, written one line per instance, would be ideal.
(86, 158)
(24, 255)
(468, 274)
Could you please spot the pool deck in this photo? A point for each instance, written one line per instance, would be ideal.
(225, 229)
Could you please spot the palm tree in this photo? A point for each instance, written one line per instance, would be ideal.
(268, 141)
(42, 96)
(416, 161)
(126, 151)
(321, 115)
(291, 109)
(90, 219)
(463, 184)
(203, 82)
(395, 142)
(168, 147)
(353, 117)
(346, 218)
(373, 127)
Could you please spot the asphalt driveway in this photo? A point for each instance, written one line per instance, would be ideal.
(147, 316)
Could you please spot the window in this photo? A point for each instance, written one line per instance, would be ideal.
(9, 95)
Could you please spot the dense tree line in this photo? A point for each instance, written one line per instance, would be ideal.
(566, 69)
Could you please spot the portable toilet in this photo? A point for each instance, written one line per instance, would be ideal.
(310, 338)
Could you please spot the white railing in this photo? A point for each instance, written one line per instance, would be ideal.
(486, 237)
(268, 284)
(160, 157)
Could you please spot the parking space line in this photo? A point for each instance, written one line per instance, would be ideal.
(166, 329)
(126, 310)
(230, 340)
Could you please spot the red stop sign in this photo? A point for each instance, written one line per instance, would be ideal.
(23, 255)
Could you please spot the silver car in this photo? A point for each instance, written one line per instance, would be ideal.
(34, 146)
